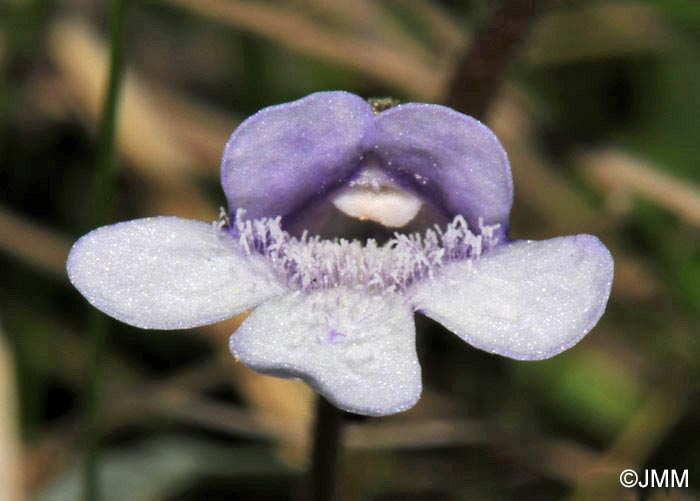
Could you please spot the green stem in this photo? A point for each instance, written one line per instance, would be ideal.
(108, 120)
(105, 179)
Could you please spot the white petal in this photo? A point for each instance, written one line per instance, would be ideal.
(357, 350)
(527, 300)
(168, 273)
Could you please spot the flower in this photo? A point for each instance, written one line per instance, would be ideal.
(338, 313)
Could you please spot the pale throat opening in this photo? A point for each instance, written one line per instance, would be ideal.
(374, 196)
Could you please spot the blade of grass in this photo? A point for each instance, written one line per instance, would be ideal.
(143, 136)
(105, 179)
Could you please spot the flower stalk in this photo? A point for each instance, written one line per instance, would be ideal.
(328, 430)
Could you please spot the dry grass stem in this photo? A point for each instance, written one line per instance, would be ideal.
(11, 488)
(621, 174)
(445, 30)
(34, 244)
(403, 70)
(597, 31)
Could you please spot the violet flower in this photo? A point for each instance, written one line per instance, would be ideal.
(338, 313)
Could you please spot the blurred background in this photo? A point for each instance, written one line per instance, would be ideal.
(598, 106)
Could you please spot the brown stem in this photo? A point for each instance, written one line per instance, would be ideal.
(482, 67)
(326, 449)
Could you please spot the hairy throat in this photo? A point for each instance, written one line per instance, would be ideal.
(309, 263)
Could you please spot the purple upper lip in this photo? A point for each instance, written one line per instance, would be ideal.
(285, 157)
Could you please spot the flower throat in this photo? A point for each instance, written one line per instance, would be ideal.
(309, 263)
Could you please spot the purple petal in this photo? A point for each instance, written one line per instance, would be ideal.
(452, 157)
(168, 273)
(357, 350)
(526, 300)
(283, 156)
